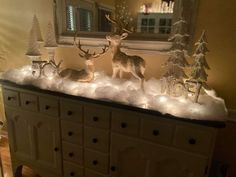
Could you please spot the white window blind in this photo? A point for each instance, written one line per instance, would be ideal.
(70, 12)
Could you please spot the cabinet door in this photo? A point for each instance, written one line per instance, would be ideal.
(136, 158)
(19, 134)
(46, 142)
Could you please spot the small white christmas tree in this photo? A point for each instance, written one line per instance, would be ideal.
(177, 60)
(50, 40)
(33, 46)
(198, 74)
(36, 28)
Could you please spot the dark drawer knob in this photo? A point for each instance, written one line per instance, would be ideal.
(95, 162)
(27, 102)
(155, 132)
(10, 98)
(95, 140)
(113, 168)
(72, 174)
(69, 113)
(95, 118)
(47, 107)
(56, 149)
(192, 141)
(71, 154)
(70, 133)
(123, 125)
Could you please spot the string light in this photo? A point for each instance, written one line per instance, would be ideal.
(125, 92)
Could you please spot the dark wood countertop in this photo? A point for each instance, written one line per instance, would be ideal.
(209, 123)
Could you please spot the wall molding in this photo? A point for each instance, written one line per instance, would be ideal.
(137, 46)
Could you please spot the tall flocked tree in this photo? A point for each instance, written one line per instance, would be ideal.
(50, 41)
(36, 28)
(176, 62)
(198, 73)
(33, 51)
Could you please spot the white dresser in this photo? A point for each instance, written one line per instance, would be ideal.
(59, 135)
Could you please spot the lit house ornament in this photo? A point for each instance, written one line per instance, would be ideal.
(158, 6)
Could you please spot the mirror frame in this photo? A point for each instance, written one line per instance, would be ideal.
(137, 42)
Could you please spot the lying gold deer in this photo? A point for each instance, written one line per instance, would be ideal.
(87, 74)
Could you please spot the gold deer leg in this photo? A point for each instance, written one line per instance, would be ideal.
(139, 76)
(121, 74)
(115, 71)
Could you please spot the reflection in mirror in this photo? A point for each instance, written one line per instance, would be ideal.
(144, 16)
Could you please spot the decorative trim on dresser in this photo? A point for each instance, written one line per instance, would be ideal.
(61, 135)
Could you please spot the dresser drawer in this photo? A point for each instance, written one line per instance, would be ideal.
(29, 101)
(90, 173)
(72, 132)
(97, 117)
(96, 139)
(72, 170)
(11, 97)
(125, 122)
(72, 153)
(96, 161)
(194, 139)
(157, 131)
(71, 111)
(49, 106)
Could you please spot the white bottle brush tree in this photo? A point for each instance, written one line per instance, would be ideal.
(198, 73)
(176, 63)
(35, 36)
(33, 51)
(36, 27)
(50, 42)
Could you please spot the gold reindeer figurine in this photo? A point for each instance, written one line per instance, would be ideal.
(121, 62)
(87, 74)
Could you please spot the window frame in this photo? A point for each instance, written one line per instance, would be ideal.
(187, 7)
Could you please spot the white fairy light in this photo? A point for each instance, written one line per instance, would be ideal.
(162, 99)
(126, 92)
(158, 6)
(182, 100)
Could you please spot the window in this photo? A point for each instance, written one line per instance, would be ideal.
(103, 24)
(84, 20)
(165, 25)
(70, 15)
(154, 23)
(148, 25)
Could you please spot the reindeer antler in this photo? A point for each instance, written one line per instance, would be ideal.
(121, 26)
(86, 52)
(104, 50)
(88, 55)
(53, 63)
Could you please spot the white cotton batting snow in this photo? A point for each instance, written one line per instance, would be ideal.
(127, 92)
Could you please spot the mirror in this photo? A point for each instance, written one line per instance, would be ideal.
(148, 19)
